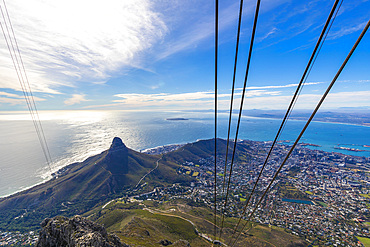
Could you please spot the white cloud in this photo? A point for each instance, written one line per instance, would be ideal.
(76, 99)
(11, 101)
(166, 98)
(162, 97)
(309, 101)
(271, 32)
(65, 41)
(279, 86)
(194, 100)
(11, 95)
(258, 93)
(255, 99)
(15, 99)
(346, 30)
(198, 26)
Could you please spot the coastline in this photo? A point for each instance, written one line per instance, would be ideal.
(352, 124)
(316, 121)
(82, 138)
(26, 188)
(161, 149)
(173, 145)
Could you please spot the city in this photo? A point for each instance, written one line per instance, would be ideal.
(319, 196)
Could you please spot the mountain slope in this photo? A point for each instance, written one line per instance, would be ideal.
(148, 224)
(83, 185)
(203, 149)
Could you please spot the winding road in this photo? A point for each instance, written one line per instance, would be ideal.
(148, 173)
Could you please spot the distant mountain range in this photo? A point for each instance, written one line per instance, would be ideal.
(347, 115)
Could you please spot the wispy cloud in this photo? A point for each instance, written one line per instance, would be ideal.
(309, 101)
(193, 100)
(93, 42)
(280, 86)
(164, 98)
(256, 99)
(268, 34)
(11, 95)
(196, 31)
(14, 99)
(11, 101)
(346, 30)
(156, 86)
(76, 99)
(200, 30)
(167, 98)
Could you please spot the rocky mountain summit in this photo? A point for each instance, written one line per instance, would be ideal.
(77, 231)
(117, 157)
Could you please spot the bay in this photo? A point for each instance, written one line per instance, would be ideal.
(76, 135)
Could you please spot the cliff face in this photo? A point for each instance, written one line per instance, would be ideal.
(77, 231)
(117, 157)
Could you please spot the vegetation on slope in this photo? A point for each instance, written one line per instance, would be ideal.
(149, 222)
(82, 186)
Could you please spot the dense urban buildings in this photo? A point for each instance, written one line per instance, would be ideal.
(320, 196)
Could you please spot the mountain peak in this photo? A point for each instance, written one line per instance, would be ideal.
(117, 143)
(117, 157)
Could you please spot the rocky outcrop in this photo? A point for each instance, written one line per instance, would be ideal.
(117, 157)
(77, 231)
(165, 242)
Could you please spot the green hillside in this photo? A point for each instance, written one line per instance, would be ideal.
(192, 152)
(111, 188)
(148, 223)
(82, 186)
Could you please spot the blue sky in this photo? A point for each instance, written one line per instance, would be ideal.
(139, 54)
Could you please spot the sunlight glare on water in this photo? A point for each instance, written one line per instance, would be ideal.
(74, 136)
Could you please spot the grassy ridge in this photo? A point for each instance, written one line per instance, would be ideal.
(148, 222)
(364, 241)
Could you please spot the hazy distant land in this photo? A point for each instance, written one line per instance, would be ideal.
(354, 116)
(177, 119)
(342, 116)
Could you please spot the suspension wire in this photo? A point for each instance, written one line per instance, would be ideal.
(14, 58)
(26, 91)
(232, 91)
(232, 96)
(23, 80)
(241, 108)
(307, 71)
(215, 158)
(29, 88)
(307, 124)
(19, 73)
(313, 62)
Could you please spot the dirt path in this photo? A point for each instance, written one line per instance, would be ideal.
(148, 173)
(178, 216)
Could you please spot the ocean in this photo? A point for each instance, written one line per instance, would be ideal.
(76, 135)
